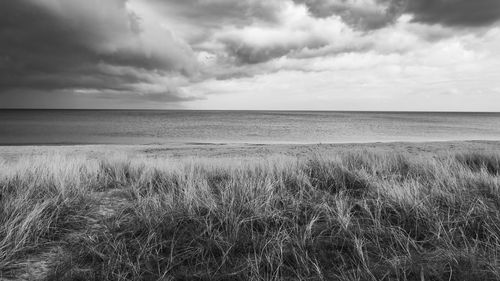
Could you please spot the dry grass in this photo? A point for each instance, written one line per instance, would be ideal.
(354, 216)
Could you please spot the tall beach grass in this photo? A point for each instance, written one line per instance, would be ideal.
(351, 216)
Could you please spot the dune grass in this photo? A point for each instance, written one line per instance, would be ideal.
(351, 216)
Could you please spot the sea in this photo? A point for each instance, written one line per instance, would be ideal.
(65, 127)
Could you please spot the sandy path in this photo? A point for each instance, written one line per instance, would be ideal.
(39, 266)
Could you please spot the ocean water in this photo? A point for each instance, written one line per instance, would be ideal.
(18, 127)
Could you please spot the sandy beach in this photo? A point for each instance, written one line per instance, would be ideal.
(195, 150)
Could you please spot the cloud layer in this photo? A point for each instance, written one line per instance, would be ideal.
(455, 12)
(198, 53)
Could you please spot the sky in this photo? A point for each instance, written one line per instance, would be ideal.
(402, 55)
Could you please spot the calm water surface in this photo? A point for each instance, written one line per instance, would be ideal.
(147, 127)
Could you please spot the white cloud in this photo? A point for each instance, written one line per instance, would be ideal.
(455, 73)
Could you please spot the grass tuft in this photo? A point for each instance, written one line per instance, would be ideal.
(353, 216)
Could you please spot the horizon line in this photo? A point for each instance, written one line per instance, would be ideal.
(247, 110)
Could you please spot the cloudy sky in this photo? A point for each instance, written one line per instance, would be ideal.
(251, 54)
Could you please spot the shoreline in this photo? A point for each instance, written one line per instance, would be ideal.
(236, 150)
(188, 143)
(236, 143)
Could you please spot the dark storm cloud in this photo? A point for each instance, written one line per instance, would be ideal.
(367, 16)
(455, 12)
(379, 13)
(52, 45)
